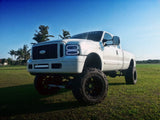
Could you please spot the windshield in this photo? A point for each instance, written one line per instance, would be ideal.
(95, 36)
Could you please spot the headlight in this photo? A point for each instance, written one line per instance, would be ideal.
(72, 50)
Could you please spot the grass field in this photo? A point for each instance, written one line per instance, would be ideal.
(19, 99)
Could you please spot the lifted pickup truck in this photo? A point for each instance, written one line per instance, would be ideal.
(81, 63)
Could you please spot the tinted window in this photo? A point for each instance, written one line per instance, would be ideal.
(107, 37)
(107, 40)
(95, 36)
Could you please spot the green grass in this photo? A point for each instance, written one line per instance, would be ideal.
(19, 99)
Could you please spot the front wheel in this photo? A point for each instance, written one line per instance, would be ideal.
(41, 83)
(91, 87)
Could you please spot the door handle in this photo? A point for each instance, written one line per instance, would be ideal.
(116, 52)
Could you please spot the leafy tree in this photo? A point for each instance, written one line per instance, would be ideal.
(9, 60)
(23, 54)
(26, 52)
(42, 35)
(3, 61)
(65, 35)
(20, 54)
(12, 53)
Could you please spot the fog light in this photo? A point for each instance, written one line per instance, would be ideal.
(57, 65)
(30, 66)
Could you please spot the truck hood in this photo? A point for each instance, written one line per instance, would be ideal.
(70, 41)
(87, 46)
(79, 41)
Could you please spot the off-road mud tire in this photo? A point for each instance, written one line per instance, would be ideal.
(41, 85)
(90, 87)
(131, 75)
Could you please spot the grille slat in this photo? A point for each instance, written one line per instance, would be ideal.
(45, 52)
(61, 50)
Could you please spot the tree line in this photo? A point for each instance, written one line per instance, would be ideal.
(148, 62)
(23, 54)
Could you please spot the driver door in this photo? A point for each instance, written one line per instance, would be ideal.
(110, 58)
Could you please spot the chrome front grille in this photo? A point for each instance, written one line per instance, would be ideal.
(45, 52)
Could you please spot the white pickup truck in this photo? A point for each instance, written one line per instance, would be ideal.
(81, 63)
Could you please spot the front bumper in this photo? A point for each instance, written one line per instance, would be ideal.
(67, 64)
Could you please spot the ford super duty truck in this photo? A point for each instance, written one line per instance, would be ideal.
(81, 63)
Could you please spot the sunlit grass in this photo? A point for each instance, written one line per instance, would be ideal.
(19, 99)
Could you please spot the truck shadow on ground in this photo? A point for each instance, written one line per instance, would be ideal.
(25, 99)
(117, 83)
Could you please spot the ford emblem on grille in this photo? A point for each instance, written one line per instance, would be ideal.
(42, 52)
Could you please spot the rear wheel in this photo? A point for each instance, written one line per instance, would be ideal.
(131, 76)
(41, 84)
(91, 87)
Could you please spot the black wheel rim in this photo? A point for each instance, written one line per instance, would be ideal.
(93, 87)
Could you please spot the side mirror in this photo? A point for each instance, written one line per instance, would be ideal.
(116, 40)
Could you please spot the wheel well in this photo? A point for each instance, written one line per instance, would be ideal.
(93, 61)
(131, 63)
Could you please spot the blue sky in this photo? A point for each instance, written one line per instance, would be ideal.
(137, 22)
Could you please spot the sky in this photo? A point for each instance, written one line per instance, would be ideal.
(136, 22)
